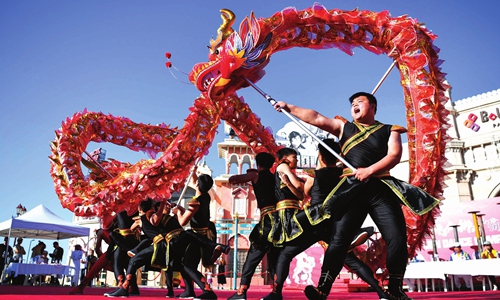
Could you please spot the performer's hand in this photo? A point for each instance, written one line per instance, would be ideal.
(175, 210)
(280, 105)
(362, 174)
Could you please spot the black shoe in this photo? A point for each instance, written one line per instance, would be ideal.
(272, 296)
(133, 290)
(170, 294)
(121, 293)
(237, 296)
(398, 295)
(383, 296)
(313, 293)
(185, 295)
(107, 294)
(207, 295)
(361, 237)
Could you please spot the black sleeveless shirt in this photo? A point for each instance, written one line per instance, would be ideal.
(324, 182)
(202, 217)
(149, 230)
(362, 146)
(264, 189)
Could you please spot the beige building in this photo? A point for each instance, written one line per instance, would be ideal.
(474, 153)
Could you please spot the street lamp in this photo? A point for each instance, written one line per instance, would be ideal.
(20, 210)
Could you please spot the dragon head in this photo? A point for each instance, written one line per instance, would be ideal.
(233, 56)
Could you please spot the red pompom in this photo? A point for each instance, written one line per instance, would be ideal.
(168, 64)
(168, 55)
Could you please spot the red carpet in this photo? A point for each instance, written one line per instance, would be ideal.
(255, 293)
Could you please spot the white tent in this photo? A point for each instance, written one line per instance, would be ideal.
(41, 223)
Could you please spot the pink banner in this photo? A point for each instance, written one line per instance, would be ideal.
(458, 214)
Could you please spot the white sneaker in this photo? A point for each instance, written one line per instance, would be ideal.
(495, 288)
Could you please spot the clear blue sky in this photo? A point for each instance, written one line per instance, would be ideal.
(60, 57)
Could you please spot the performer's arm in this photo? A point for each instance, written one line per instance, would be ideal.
(291, 180)
(308, 185)
(251, 175)
(137, 224)
(156, 217)
(312, 117)
(185, 215)
(393, 157)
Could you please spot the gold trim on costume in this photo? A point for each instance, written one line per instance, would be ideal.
(363, 134)
(204, 231)
(127, 232)
(287, 203)
(267, 210)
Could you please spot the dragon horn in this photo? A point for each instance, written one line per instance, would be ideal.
(227, 21)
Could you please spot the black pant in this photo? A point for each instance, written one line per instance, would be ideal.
(313, 235)
(385, 209)
(185, 249)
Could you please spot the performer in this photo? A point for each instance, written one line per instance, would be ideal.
(490, 253)
(373, 148)
(123, 239)
(263, 183)
(327, 175)
(169, 245)
(289, 191)
(198, 214)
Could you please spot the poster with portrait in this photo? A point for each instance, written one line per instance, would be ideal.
(292, 136)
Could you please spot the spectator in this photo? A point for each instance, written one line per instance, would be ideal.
(76, 257)
(56, 258)
(88, 262)
(37, 251)
(490, 253)
(18, 251)
(6, 252)
(40, 259)
(459, 255)
(208, 276)
(57, 254)
(221, 272)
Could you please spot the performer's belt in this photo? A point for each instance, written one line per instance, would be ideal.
(173, 234)
(349, 172)
(267, 210)
(284, 204)
(168, 237)
(127, 232)
(204, 231)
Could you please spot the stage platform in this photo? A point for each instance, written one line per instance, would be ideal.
(255, 293)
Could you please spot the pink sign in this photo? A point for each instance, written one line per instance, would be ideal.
(459, 214)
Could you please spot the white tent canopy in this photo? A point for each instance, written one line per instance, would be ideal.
(41, 223)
